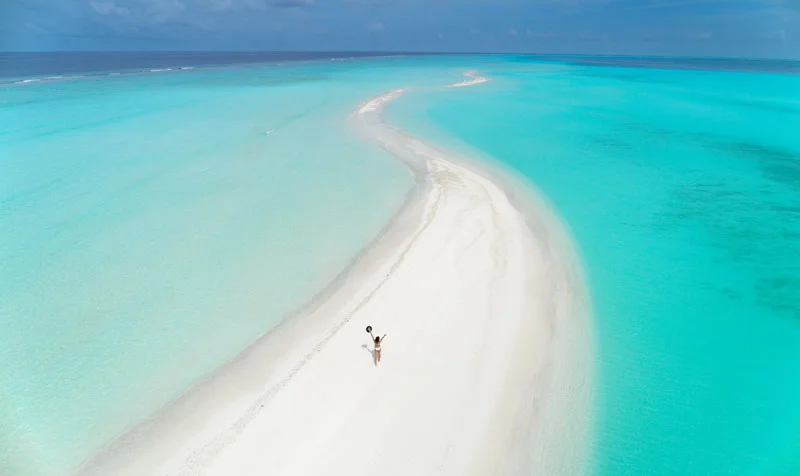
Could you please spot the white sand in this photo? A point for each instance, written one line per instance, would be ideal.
(475, 79)
(486, 366)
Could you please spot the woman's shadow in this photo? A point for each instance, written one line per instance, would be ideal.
(372, 353)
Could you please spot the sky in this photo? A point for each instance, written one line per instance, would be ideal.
(720, 28)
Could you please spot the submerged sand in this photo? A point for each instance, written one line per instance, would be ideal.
(486, 368)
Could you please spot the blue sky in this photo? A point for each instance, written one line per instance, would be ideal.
(738, 28)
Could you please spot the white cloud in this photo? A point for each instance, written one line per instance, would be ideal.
(366, 2)
(162, 11)
(198, 15)
(108, 8)
(221, 5)
(165, 9)
(702, 36)
(290, 3)
(779, 35)
(543, 35)
(591, 38)
(35, 28)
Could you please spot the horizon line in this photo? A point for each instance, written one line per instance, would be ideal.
(408, 53)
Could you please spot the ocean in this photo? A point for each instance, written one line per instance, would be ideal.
(153, 224)
(158, 214)
(681, 186)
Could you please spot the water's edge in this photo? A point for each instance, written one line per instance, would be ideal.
(156, 437)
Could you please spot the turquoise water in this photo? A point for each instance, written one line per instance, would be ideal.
(152, 226)
(682, 190)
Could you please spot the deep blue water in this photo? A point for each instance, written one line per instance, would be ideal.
(703, 64)
(41, 66)
(22, 66)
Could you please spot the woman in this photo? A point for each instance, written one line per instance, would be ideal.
(376, 341)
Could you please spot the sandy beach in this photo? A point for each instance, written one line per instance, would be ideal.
(486, 367)
(474, 80)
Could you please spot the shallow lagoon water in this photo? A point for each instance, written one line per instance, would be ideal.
(153, 225)
(682, 190)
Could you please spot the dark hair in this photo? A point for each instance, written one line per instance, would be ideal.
(377, 338)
